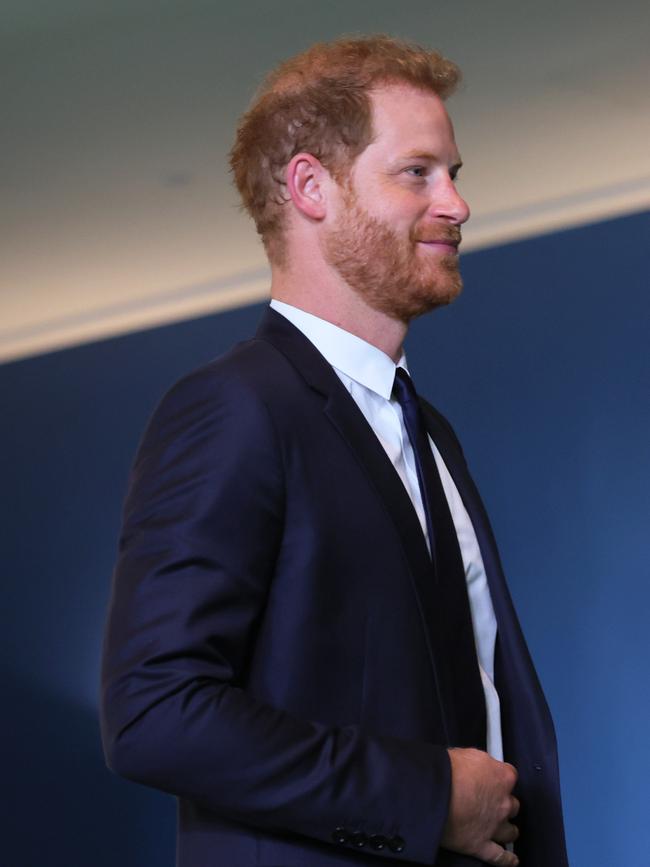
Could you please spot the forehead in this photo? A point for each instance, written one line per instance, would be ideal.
(405, 118)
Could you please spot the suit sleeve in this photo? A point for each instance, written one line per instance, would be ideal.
(202, 527)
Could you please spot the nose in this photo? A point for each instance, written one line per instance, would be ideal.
(447, 203)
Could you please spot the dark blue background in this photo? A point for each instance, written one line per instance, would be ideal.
(543, 368)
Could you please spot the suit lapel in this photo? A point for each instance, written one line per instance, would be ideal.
(517, 683)
(455, 463)
(526, 724)
(344, 414)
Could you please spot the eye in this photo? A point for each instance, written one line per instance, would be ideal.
(417, 171)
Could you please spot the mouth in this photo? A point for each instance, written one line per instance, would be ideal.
(441, 246)
(447, 243)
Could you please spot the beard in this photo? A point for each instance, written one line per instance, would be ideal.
(386, 270)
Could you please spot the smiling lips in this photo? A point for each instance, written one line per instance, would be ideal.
(446, 242)
(443, 246)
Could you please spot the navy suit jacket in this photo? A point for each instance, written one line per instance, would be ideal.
(268, 656)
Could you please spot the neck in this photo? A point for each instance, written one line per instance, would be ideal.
(335, 302)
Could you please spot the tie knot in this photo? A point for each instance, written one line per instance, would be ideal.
(403, 388)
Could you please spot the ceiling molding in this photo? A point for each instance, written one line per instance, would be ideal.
(158, 308)
(248, 287)
(555, 214)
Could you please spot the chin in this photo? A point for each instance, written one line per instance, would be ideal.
(416, 301)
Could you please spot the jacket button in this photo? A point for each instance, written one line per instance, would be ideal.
(358, 839)
(341, 836)
(377, 841)
(396, 843)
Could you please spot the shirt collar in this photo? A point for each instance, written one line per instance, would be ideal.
(361, 361)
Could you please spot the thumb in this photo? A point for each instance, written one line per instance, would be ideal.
(494, 854)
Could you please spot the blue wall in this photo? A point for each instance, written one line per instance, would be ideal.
(542, 366)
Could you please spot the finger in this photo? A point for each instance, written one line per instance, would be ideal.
(515, 775)
(514, 809)
(506, 832)
(498, 856)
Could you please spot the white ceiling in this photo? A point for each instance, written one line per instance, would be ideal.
(116, 210)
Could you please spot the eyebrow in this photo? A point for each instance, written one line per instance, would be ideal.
(428, 156)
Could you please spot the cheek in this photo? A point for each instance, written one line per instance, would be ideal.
(402, 223)
(396, 206)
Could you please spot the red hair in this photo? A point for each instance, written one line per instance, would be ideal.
(319, 102)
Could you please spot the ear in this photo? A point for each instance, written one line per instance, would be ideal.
(307, 182)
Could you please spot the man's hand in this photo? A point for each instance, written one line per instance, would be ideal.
(481, 806)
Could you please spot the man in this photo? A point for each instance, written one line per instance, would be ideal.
(310, 642)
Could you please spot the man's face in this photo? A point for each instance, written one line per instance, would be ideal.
(394, 238)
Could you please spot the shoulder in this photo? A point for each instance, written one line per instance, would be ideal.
(230, 401)
(214, 430)
(254, 366)
(241, 382)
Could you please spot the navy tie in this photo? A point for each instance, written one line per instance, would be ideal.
(459, 680)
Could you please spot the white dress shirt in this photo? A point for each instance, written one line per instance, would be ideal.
(368, 374)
